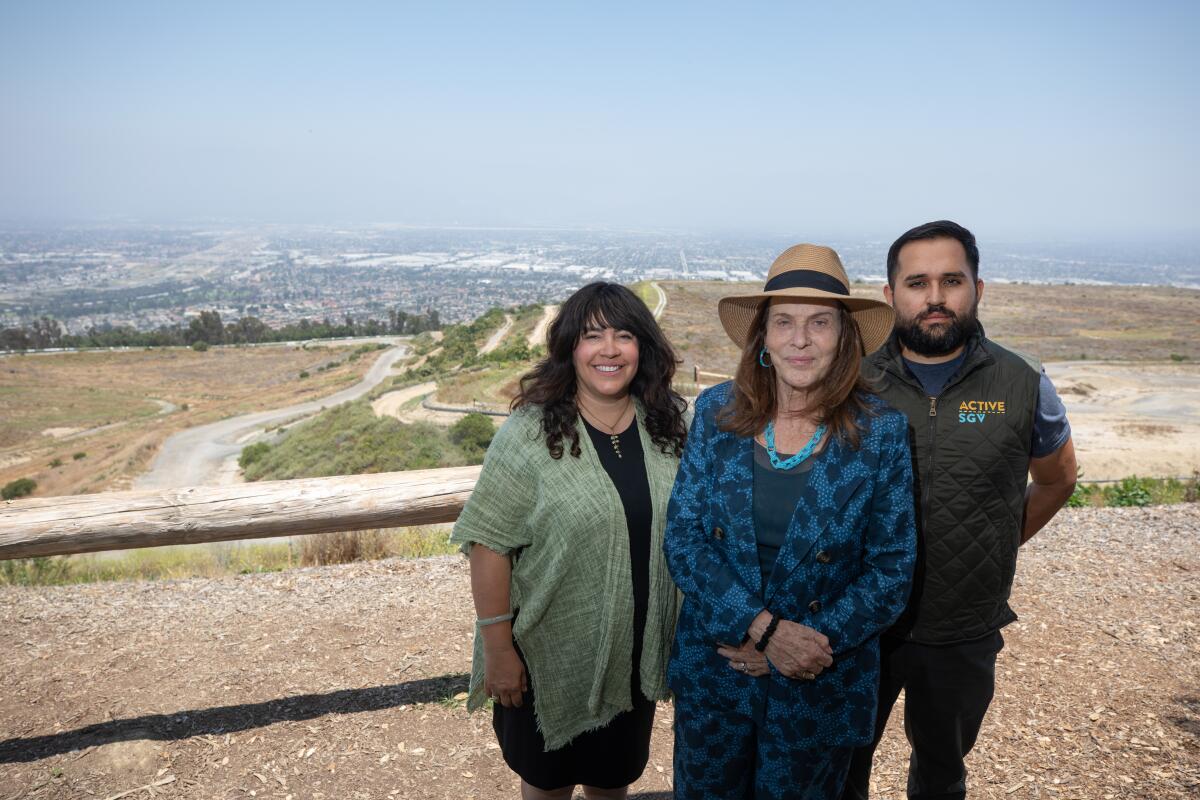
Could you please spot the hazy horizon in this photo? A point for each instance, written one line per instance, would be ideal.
(1023, 121)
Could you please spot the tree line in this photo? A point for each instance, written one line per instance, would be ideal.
(208, 328)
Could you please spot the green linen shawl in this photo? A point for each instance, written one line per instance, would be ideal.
(563, 521)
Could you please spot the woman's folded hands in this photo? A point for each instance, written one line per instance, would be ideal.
(796, 650)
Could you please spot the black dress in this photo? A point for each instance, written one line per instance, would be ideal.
(615, 755)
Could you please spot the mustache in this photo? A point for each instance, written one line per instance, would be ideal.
(931, 310)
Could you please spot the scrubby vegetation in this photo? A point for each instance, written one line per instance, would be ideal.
(229, 558)
(1136, 492)
(349, 440)
(18, 488)
(460, 347)
(209, 329)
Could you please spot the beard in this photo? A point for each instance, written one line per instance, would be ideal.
(938, 340)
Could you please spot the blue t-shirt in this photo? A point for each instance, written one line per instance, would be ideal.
(1050, 426)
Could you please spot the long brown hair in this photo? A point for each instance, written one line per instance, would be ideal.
(552, 383)
(838, 401)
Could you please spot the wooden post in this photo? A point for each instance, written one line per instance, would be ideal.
(88, 523)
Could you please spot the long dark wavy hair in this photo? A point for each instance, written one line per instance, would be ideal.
(551, 384)
(839, 400)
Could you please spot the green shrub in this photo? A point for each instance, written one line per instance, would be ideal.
(200, 346)
(252, 453)
(18, 488)
(79, 455)
(473, 432)
(303, 373)
(422, 343)
(1129, 492)
(55, 463)
(1085, 495)
(1178, 357)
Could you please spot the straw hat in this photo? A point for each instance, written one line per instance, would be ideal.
(808, 272)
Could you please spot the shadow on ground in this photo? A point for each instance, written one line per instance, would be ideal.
(1189, 720)
(230, 719)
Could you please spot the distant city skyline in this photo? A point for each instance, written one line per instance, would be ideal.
(1023, 121)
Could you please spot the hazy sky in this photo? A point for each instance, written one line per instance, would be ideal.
(1039, 119)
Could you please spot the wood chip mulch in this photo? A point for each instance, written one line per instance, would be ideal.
(347, 682)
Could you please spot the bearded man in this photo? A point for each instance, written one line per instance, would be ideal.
(982, 419)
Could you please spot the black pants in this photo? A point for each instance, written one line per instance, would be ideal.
(947, 690)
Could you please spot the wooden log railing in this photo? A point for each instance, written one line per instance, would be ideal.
(703, 378)
(89, 523)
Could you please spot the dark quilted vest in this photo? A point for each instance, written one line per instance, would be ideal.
(971, 450)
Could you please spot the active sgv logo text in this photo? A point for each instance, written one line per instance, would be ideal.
(977, 410)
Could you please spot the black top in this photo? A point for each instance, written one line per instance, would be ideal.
(934, 377)
(776, 493)
(628, 474)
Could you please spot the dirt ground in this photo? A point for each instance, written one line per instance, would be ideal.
(346, 682)
(1132, 418)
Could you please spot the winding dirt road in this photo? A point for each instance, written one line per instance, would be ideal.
(538, 335)
(199, 456)
(661, 305)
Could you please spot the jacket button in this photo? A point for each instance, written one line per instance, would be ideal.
(718, 533)
(814, 606)
(823, 557)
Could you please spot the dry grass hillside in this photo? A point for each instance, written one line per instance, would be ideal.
(1054, 323)
(116, 408)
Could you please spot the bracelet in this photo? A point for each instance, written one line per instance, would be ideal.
(761, 644)
(479, 623)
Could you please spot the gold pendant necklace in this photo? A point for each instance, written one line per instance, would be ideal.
(613, 437)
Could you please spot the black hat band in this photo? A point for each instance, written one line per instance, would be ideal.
(806, 279)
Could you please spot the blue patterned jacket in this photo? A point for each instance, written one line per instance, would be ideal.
(845, 569)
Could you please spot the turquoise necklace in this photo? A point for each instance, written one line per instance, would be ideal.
(779, 463)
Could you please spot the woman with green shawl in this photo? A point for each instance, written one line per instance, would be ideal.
(576, 609)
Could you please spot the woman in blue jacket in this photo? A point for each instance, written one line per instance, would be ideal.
(791, 534)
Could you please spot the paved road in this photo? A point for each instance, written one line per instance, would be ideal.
(195, 456)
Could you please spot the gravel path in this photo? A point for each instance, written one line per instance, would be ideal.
(344, 682)
(498, 336)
